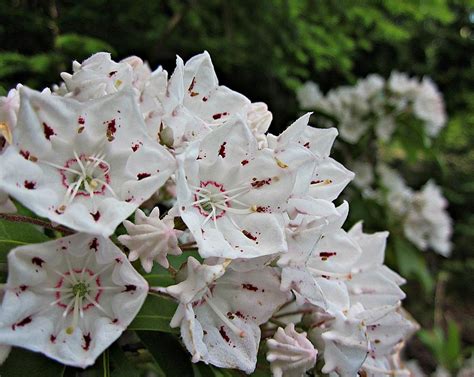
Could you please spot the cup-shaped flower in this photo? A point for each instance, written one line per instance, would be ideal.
(290, 353)
(220, 312)
(84, 165)
(69, 298)
(231, 195)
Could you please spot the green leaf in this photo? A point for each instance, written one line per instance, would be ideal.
(203, 370)
(412, 264)
(453, 346)
(81, 46)
(23, 363)
(159, 280)
(168, 353)
(155, 315)
(17, 234)
(120, 365)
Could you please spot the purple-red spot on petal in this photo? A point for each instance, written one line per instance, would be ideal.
(111, 73)
(135, 147)
(130, 288)
(260, 183)
(327, 254)
(219, 115)
(94, 244)
(81, 120)
(22, 323)
(306, 145)
(191, 87)
(249, 235)
(244, 162)
(30, 185)
(141, 176)
(52, 339)
(111, 130)
(25, 154)
(48, 131)
(87, 341)
(249, 287)
(224, 334)
(95, 216)
(222, 149)
(38, 261)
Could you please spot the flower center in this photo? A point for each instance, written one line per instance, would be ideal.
(80, 289)
(83, 176)
(214, 201)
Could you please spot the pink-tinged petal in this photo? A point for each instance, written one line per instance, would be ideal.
(290, 353)
(151, 238)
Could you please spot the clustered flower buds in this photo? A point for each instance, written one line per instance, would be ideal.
(257, 207)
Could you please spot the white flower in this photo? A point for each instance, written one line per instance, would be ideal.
(308, 95)
(89, 165)
(427, 223)
(372, 283)
(391, 365)
(358, 335)
(9, 107)
(399, 194)
(96, 77)
(151, 238)
(290, 353)
(231, 195)
(190, 103)
(258, 120)
(429, 106)
(219, 314)
(70, 298)
(319, 176)
(363, 175)
(309, 271)
(345, 344)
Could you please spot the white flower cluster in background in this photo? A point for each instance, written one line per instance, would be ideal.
(426, 222)
(378, 104)
(258, 207)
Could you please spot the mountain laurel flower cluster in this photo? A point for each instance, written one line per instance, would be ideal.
(423, 215)
(383, 106)
(386, 123)
(268, 257)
